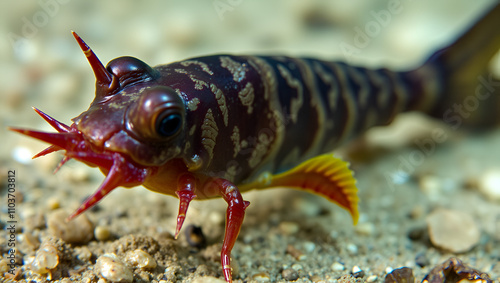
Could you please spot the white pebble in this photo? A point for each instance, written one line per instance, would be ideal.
(431, 185)
(366, 228)
(371, 278)
(356, 269)
(22, 155)
(352, 248)
(337, 266)
(489, 184)
(261, 277)
(113, 269)
(140, 259)
(77, 231)
(25, 50)
(388, 269)
(288, 228)
(204, 279)
(216, 218)
(309, 246)
(452, 230)
(46, 258)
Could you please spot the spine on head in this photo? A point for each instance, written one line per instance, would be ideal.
(466, 92)
(105, 81)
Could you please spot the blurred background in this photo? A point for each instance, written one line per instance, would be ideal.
(41, 65)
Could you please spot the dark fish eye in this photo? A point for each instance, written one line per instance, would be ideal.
(168, 125)
(157, 115)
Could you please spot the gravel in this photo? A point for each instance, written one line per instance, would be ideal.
(283, 229)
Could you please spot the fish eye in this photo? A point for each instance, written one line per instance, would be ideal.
(157, 115)
(168, 124)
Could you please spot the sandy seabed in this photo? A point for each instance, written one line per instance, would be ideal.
(287, 236)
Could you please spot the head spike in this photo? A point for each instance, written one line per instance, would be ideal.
(48, 150)
(61, 163)
(60, 127)
(101, 74)
(65, 140)
(121, 173)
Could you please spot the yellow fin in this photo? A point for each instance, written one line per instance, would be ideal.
(324, 175)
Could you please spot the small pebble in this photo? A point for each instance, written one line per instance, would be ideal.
(102, 233)
(290, 274)
(140, 259)
(421, 260)
(337, 266)
(400, 275)
(365, 229)
(216, 218)
(195, 237)
(261, 277)
(357, 272)
(53, 203)
(416, 234)
(22, 155)
(77, 231)
(46, 259)
(452, 230)
(288, 228)
(489, 184)
(297, 254)
(417, 212)
(352, 248)
(170, 272)
(431, 185)
(31, 240)
(309, 246)
(4, 266)
(204, 279)
(297, 266)
(454, 270)
(318, 279)
(83, 254)
(373, 278)
(113, 269)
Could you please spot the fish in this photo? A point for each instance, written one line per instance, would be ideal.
(217, 126)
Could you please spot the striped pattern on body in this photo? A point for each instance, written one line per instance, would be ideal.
(249, 115)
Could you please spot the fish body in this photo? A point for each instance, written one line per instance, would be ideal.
(250, 115)
(218, 125)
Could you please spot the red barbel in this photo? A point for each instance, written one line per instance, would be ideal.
(219, 125)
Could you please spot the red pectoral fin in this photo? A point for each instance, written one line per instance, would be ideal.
(325, 175)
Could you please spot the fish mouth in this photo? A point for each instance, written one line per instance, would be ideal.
(120, 170)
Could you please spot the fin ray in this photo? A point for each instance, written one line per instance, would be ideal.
(324, 175)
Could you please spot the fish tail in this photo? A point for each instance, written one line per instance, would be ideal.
(458, 87)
